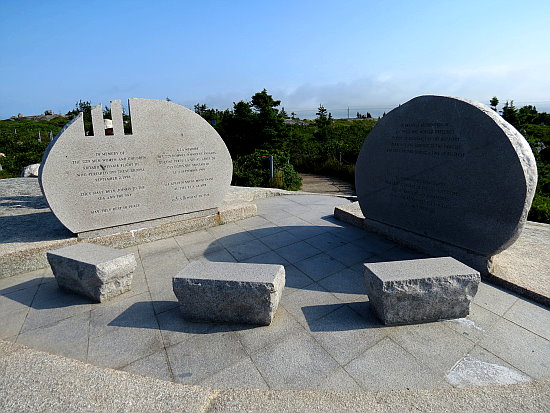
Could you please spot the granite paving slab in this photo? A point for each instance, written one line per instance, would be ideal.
(523, 349)
(387, 365)
(347, 285)
(324, 336)
(298, 361)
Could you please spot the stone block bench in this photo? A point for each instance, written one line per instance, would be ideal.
(229, 292)
(422, 290)
(92, 270)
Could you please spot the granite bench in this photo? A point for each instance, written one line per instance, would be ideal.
(229, 292)
(94, 271)
(422, 290)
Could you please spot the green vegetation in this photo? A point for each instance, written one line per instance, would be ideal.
(535, 127)
(23, 141)
(254, 170)
(21, 145)
(328, 147)
(324, 145)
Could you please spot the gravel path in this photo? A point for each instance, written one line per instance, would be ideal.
(326, 185)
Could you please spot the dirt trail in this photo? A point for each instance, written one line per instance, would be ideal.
(326, 185)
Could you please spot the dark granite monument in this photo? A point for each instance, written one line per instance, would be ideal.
(448, 176)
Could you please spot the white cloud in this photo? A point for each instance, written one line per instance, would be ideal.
(517, 82)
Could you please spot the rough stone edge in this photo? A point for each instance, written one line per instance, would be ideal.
(236, 212)
(33, 380)
(526, 159)
(181, 284)
(350, 213)
(534, 396)
(485, 265)
(518, 289)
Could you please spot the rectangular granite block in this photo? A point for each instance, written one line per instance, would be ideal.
(229, 292)
(422, 290)
(92, 270)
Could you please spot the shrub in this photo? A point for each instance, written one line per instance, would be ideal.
(253, 170)
(540, 209)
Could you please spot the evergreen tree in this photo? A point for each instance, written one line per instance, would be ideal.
(510, 113)
(528, 115)
(323, 119)
(494, 103)
(253, 125)
(86, 108)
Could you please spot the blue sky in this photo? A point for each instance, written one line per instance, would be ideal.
(366, 55)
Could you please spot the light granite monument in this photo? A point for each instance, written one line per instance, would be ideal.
(417, 291)
(229, 292)
(174, 164)
(448, 176)
(95, 271)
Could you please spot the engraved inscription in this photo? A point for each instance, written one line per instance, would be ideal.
(426, 139)
(109, 166)
(114, 209)
(110, 171)
(192, 160)
(188, 176)
(422, 193)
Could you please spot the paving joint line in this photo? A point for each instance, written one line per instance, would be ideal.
(165, 352)
(508, 362)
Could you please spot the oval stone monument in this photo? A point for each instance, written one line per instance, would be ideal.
(448, 171)
(174, 164)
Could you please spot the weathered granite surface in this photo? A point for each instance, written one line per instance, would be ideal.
(447, 169)
(316, 325)
(421, 290)
(173, 163)
(92, 270)
(229, 292)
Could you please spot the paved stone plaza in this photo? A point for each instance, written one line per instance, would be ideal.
(324, 336)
